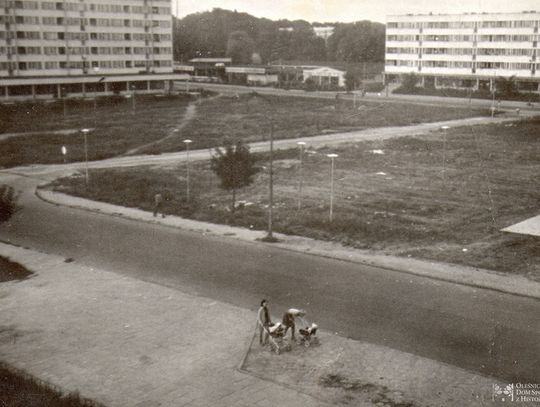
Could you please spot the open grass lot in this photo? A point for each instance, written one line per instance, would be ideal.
(20, 390)
(250, 118)
(403, 201)
(10, 270)
(117, 129)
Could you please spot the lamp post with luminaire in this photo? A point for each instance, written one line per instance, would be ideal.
(85, 134)
(332, 158)
(187, 142)
(301, 145)
(444, 129)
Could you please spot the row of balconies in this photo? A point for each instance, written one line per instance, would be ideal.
(463, 31)
(463, 71)
(479, 58)
(472, 45)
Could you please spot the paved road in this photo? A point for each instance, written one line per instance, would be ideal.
(480, 330)
(370, 97)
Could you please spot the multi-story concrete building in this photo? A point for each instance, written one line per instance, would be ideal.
(79, 47)
(464, 50)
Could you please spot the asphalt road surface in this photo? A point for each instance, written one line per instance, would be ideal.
(480, 330)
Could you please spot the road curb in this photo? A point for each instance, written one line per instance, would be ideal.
(513, 285)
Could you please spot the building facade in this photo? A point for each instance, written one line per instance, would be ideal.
(73, 47)
(464, 50)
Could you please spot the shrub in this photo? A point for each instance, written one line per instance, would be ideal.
(8, 202)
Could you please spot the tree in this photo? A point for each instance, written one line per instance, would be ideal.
(235, 166)
(310, 85)
(240, 47)
(8, 202)
(408, 82)
(506, 87)
(352, 79)
(361, 41)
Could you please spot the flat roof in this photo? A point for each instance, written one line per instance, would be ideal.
(45, 80)
(532, 13)
(210, 60)
(529, 226)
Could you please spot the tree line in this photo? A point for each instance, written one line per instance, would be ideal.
(251, 40)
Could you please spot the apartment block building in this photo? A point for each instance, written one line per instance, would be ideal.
(78, 47)
(464, 50)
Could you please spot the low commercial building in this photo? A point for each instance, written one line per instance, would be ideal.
(210, 67)
(464, 50)
(250, 75)
(325, 76)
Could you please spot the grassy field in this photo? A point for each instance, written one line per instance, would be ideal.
(20, 390)
(117, 128)
(394, 196)
(250, 118)
(12, 271)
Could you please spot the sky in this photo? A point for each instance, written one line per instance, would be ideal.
(350, 10)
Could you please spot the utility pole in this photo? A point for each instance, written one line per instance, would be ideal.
(270, 236)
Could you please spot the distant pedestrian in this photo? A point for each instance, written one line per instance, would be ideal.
(263, 322)
(288, 320)
(158, 203)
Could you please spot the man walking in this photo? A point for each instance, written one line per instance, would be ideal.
(158, 201)
(288, 320)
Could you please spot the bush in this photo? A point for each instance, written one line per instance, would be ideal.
(8, 202)
(374, 87)
(466, 93)
(310, 85)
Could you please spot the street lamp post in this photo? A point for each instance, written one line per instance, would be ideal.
(493, 89)
(301, 145)
(187, 143)
(444, 129)
(332, 157)
(85, 134)
(133, 98)
(64, 94)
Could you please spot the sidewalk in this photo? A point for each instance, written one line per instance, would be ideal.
(125, 342)
(470, 276)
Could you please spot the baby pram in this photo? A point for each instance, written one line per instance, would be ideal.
(308, 332)
(276, 337)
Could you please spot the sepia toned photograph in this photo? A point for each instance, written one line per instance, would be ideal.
(232, 203)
